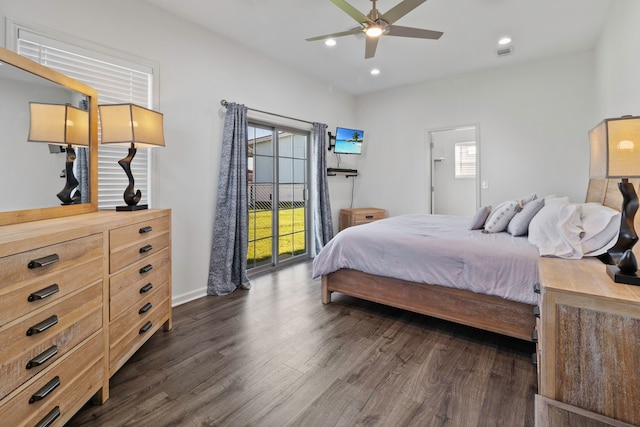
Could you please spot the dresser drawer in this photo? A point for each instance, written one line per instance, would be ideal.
(134, 242)
(134, 329)
(72, 382)
(63, 324)
(25, 297)
(37, 263)
(131, 286)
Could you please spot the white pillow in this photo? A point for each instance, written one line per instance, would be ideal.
(601, 225)
(557, 231)
(549, 200)
(499, 217)
(519, 224)
(480, 217)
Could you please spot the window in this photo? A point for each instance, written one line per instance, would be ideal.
(465, 160)
(117, 80)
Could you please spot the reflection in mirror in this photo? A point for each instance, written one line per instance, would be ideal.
(34, 173)
(66, 126)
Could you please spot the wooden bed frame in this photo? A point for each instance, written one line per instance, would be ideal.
(487, 312)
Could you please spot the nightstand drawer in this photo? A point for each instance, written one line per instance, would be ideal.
(359, 216)
(67, 386)
(34, 342)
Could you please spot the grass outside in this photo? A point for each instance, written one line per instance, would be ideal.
(291, 233)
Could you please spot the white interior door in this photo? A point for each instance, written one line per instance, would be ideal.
(454, 166)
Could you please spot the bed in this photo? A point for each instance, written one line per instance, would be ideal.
(482, 306)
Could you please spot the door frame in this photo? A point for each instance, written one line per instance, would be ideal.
(430, 161)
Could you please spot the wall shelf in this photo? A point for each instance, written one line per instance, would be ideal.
(339, 171)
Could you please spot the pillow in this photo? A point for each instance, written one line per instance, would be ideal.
(479, 218)
(556, 230)
(549, 200)
(601, 225)
(499, 218)
(519, 224)
(531, 197)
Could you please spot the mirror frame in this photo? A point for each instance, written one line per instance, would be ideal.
(27, 215)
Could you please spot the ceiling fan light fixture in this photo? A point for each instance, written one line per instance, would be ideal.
(374, 31)
(330, 42)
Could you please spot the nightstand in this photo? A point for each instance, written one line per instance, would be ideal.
(589, 343)
(358, 216)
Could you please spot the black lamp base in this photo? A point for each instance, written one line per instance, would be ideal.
(131, 208)
(620, 277)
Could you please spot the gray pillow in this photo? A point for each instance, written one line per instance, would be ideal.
(479, 218)
(519, 224)
(501, 216)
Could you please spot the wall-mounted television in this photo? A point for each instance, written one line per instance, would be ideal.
(348, 141)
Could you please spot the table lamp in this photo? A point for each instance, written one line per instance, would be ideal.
(130, 124)
(615, 153)
(63, 125)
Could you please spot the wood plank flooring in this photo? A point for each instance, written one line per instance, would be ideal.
(276, 356)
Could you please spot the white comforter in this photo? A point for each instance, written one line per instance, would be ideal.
(436, 249)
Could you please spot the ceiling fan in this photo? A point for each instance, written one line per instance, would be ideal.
(375, 24)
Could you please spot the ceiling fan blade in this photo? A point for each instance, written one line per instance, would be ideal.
(370, 47)
(395, 30)
(351, 11)
(399, 10)
(333, 35)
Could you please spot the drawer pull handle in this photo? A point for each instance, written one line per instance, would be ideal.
(534, 359)
(147, 248)
(147, 268)
(146, 229)
(368, 216)
(145, 308)
(45, 390)
(536, 310)
(536, 288)
(42, 326)
(44, 293)
(42, 357)
(49, 418)
(534, 335)
(145, 328)
(146, 288)
(44, 261)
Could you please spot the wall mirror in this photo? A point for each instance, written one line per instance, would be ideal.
(31, 174)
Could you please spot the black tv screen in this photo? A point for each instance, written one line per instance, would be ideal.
(348, 141)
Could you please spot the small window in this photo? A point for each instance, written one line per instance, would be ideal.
(465, 162)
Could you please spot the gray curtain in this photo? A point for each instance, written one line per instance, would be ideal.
(228, 262)
(82, 174)
(322, 222)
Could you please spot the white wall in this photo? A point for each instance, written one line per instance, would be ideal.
(197, 70)
(533, 121)
(618, 62)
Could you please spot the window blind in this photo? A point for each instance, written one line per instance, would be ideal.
(465, 160)
(117, 81)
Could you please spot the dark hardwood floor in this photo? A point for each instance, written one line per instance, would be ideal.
(276, 356)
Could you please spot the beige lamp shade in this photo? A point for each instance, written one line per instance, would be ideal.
(58, 124)
(131, 124)
(615, 148)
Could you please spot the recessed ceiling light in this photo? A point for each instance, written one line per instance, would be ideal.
(504, 40)
(375, 71)
(330, 42)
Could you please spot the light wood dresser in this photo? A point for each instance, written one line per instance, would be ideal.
(78, 296)
(588, 346)
(357, 216)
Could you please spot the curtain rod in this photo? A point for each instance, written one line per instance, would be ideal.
(224, 103)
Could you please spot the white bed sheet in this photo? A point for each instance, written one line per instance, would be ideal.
(436, 249)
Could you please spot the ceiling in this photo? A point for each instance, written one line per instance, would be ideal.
(278, 29)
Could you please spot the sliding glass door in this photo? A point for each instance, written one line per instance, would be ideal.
(278, 181)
